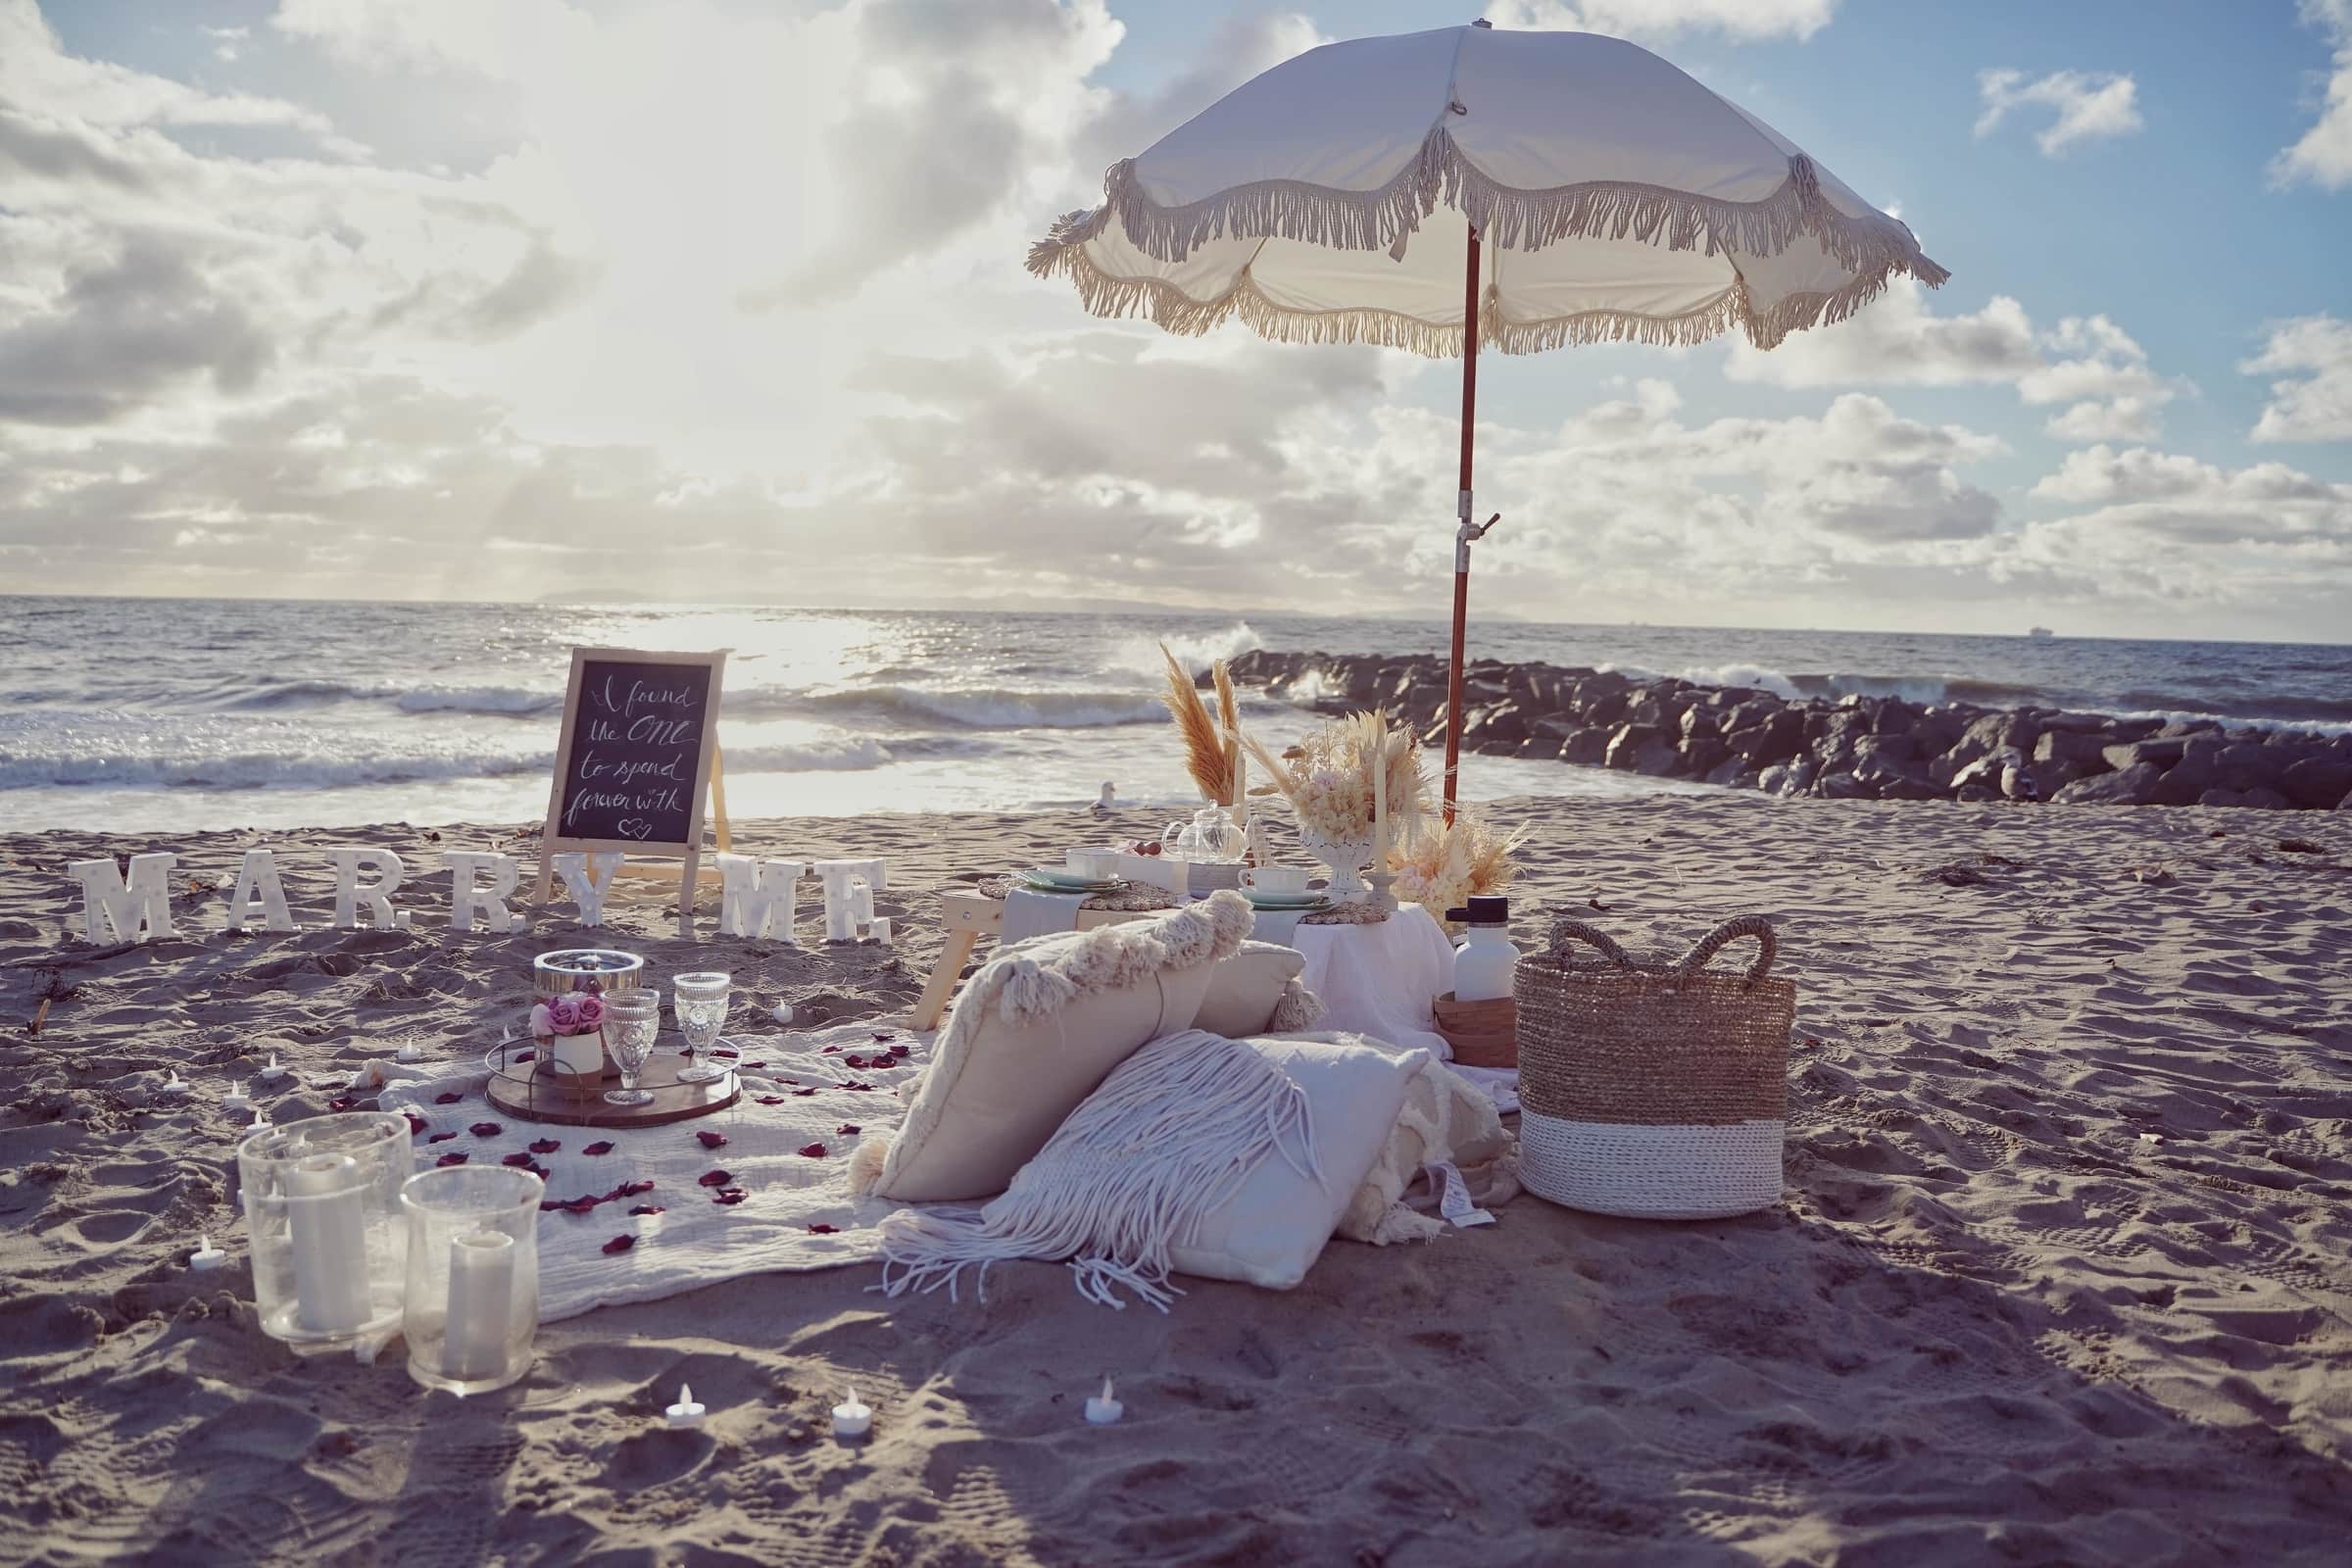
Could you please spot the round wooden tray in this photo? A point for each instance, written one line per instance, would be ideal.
(516, 1089)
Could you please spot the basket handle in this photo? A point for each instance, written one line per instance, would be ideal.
(1565, 932)
(1732, 930)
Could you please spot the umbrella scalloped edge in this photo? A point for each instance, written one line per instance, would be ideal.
(1874, 247)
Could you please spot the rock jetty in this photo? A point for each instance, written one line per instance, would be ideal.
(1856, 747)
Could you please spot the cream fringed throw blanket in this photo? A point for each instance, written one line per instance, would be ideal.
(1167, 1141)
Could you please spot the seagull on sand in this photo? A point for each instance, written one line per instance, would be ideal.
(1109, 802)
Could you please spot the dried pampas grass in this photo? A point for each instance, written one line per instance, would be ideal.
(1327, 777)
(1450, 862)
(1211, 757)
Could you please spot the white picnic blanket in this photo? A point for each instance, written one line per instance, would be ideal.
(799, 1094)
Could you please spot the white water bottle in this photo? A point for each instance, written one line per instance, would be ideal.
(1485, 960)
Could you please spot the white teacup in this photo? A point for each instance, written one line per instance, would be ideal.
(1097, 864)
(1284, 881)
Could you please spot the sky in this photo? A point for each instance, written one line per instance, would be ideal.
(705, 299)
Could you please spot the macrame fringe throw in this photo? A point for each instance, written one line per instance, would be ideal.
(1872, 247)
(1168, 1139)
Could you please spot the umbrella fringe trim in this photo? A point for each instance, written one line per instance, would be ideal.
(1170, 307)
(1387, 216)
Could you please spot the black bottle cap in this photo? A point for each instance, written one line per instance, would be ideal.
(1484, 909)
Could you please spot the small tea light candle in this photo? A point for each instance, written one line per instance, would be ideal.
(236, 1099)
(852, 1419)
(271, 1073)
(206, 1256)
(782, 1013)
(1101, 1411)
(410, 1051)
(259, 1124)
(687, 1411)
(174, 1087)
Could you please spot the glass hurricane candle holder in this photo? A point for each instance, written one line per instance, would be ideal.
(472, 1274)
(322, 1200)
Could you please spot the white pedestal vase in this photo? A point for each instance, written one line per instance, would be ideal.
(1344, 859)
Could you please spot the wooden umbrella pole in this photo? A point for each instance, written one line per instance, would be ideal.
(1468, 531)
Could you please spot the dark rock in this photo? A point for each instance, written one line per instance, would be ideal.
(2248, 765)
(1702, 754)
(2264, 798)
(2222, 797)
(2186, 780)
(1608, 708)
(1734, 772)
(1792, 778)
(1894, 746)
(2131, 787)
(1698, 722)
(1641, 748)
(2084, 752)
(1976, 793)
(2317, 783)
(1588, 748)
(1939, 730)
(2189, 726)
(2164, 754)
(1501, 725)
(1840, 786)
(2075, 723)
(1994, 732)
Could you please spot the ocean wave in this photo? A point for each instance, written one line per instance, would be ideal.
(967, 708)
(490, 700)
(1195, 651)
(102, 768)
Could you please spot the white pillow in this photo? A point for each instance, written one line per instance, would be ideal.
(1257, 991)
(1230, 1158)
(1271, 1231)
(1447, 1118)
(1034, 1033)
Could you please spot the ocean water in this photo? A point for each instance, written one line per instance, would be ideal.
(144, 715)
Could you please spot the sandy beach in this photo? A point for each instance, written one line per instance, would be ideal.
(2061, 1275)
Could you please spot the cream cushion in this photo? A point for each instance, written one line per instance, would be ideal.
(1257, 991)
(1446, 1118)
(1272, 1229)
(1036, 1031)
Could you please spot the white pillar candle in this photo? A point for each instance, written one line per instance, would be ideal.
(579, 1054)
(328, 1224)
(852, 1418)
(481, 1306)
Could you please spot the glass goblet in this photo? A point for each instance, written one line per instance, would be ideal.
(700, 1003)
(632, 1018)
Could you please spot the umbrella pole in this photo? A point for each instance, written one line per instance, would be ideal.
(1467, 533)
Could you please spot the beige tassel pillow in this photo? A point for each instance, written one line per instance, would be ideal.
(1257, 991)
(1447, 1119)
(1036, 1031)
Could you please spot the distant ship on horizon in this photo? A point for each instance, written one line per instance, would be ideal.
(2040, 633)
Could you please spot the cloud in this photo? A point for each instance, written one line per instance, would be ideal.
(2087, 363)
(2322, 155)
(2090, 105)
(2313, 402)
(1739, 20)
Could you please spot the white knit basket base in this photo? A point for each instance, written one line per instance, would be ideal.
(1652, 1172)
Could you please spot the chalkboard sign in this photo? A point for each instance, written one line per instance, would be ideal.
(633, 762)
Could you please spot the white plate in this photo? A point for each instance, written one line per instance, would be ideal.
(1270, 901)
(1047, 877)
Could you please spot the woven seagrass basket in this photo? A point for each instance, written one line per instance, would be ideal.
(1656, 1091)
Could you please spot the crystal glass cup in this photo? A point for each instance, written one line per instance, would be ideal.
(699, 1001)
(473, 1297)
(632, 1018)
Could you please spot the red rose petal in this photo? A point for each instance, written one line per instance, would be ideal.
(450, 1099)
(583, 1205)
(830, 1051)
(714, 1178)
(755, 1064)
(649, 1208)
(822, 1230)
(597, 1148)
(416, 1123)
(451, 1159)
(440, 1138)
(770, 1099)
(620, 1244)
(848, 1129)
(810, 1151)
(855, 1062)
(723, 1053)
(341, 1103)
(516, 1159)
(729, 1196)
(711, 1140)
(485, 1129)
(545, 1146)
(788, 1080)
(802, 1093)
(523, 1056)
(630, 1190)
(881, 1034)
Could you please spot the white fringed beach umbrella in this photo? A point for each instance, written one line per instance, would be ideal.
(1562, 186)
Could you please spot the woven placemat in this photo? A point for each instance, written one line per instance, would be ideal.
(1346, 915)
(1129, 897)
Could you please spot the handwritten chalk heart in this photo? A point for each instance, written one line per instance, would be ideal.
(635, 827)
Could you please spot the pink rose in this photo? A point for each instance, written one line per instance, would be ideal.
(543, 1023)
(592, 1014)
(564, 1014)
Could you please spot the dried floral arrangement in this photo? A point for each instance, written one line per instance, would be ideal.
(1450, 862)
(1327, 777)
(1212, 746)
